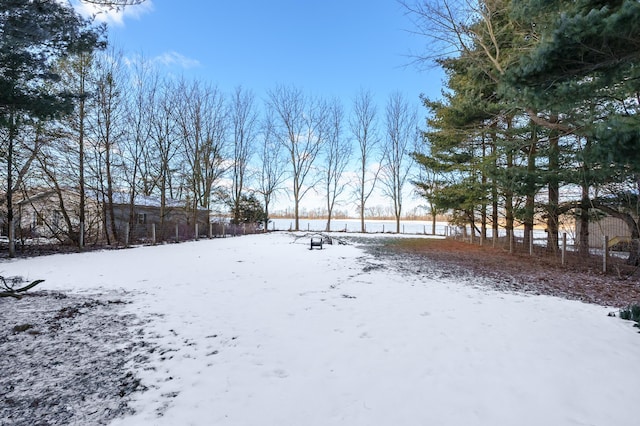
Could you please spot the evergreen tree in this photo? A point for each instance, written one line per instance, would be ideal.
(248, 210)
(33, 36)
(583, 65)
(456, 139)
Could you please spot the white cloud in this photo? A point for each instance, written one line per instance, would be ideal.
(174, 58)
(113, 16)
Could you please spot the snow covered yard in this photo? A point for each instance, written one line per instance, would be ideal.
(260, 330)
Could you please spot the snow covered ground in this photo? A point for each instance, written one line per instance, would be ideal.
(260, 330)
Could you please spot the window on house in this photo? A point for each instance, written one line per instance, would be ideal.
(142, 218)
(55, 218)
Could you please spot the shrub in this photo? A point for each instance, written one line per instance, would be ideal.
(631, 313)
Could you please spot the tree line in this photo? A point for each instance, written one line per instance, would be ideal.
(539, 116)
(78, 115)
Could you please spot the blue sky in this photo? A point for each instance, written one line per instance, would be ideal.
(326, 48)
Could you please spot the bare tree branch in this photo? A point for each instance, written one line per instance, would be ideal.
(114, 3)
(301, 130)
(363, 127)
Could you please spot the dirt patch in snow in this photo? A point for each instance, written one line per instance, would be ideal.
(542, 273)
(68, 359)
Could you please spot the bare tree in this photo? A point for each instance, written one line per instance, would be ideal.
(62, 161)
(337, 153)
(108, 130)
(99, 7)
(165, 145)
(301, 130)
(449, 27)
(115, 3)
(136, 144)
(244, 118)
(28, 143)
(401, 138)
(84, 61)
(272, 166)
(56, 162)
(203, 119)
(363, 125)
(110, 5)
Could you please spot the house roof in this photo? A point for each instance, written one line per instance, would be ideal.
(145, 200)
(119, 197)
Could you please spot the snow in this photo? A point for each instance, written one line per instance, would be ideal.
(260, 330)
(354, 225)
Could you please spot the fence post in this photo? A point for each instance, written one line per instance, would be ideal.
(126, 234)
(605, 253)
(424, 229)
(197, 236)
(153, 233)
(210, 230)
(177, 233)
(564, 247)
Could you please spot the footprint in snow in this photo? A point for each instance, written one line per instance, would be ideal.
(280, 373)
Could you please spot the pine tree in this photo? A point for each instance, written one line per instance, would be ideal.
(33, 36)
(584, 65)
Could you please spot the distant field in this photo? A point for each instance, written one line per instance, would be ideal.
(389, 226)
(353, 225)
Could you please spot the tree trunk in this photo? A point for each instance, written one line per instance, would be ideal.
(529, 207)
(483, 206)
(554, 190)
(583, 238)
(266, 215)
(508, 203)
(296, 205)
(433, 222)
(494, 191)
(10, 224)
(81, 182)
(112, 223)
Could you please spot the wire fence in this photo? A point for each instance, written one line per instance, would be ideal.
(606, 252)
(614, 255)
(125, 235)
